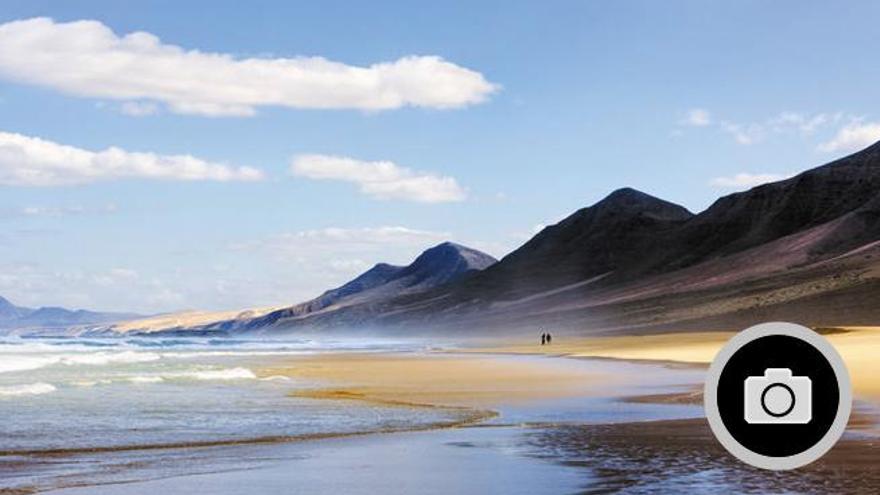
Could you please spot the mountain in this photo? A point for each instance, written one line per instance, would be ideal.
(14, 317)
(607, 238)
(439, 265)
(805, 249)
(9, 311)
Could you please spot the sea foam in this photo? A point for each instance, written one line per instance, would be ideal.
(225, 374)
(29, 389)
(105, 358)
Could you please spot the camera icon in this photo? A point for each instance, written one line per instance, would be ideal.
(778, 398)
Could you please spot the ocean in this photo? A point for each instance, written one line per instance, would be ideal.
(78, 412)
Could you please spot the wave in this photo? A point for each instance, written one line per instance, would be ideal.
(29, 389)
(225, 374)
(13, 363)
(105, 358)
(10, 363)
(145, 379)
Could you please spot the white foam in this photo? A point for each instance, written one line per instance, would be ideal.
(29, 389)
(145, 379)
(105, 358)
(10, 363)
(224, 374)
(275, 378)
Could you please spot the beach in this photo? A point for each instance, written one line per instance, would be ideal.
(859, 347)
(577, 416)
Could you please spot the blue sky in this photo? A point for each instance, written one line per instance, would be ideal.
(535, 110)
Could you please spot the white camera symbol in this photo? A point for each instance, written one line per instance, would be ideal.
(778, 398)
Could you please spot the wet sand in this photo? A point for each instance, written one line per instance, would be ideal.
(475, 460)
(682, 456)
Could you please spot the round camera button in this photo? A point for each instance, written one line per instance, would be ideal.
(777, 396)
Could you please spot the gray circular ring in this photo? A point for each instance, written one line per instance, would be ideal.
(714, 415)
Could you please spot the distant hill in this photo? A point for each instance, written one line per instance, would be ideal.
(14, 317)
(439, 265)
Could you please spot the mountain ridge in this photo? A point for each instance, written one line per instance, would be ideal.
(629, 242)
(804, 249)
(13, 317)
(438, 265)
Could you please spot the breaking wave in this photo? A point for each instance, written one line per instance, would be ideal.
(28, 389)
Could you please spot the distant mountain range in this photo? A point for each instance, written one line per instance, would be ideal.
(14, 317)
(440, 265)
(806, 249)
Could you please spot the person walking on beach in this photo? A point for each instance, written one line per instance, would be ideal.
(549, 338)
(543, 338)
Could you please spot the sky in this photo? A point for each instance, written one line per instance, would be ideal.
(158, 156)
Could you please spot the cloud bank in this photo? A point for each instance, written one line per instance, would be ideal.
(86, 58)
(746, 180)
(31, 161)
(380, 179)
(853, 137)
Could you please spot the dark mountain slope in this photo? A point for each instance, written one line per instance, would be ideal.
(435, 267)
(610, 236)
(771, 211)
(637, 260)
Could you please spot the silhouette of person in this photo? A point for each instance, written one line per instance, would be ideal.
(543, 338)
(549, 338)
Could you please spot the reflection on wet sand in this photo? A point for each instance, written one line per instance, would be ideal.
(679, 456)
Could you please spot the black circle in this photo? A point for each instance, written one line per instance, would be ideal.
(753, 359)
(790, 394)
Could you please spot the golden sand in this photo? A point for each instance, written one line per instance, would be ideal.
(434, 379)
(859, 347)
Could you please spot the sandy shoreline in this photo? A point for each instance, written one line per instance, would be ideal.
(477, 383)
(435, 379)
(859, 347)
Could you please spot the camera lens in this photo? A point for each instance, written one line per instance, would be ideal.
(777, 400)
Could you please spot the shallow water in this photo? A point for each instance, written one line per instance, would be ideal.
(74, 395)
(92, 411)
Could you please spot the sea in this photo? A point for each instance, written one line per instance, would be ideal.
(86, 411)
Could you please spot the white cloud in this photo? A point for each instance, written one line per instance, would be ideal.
(744, 134)
(807, 124)
(114, 289)
(57, 211)
(308, 262)
(853, 137)
(116, 276)
(30, 161)
(336, 241)
(343, 249)
(86, 58)
(698, 117)
(746, 180)
(803, 124)
(139, 108)
(380, 179)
